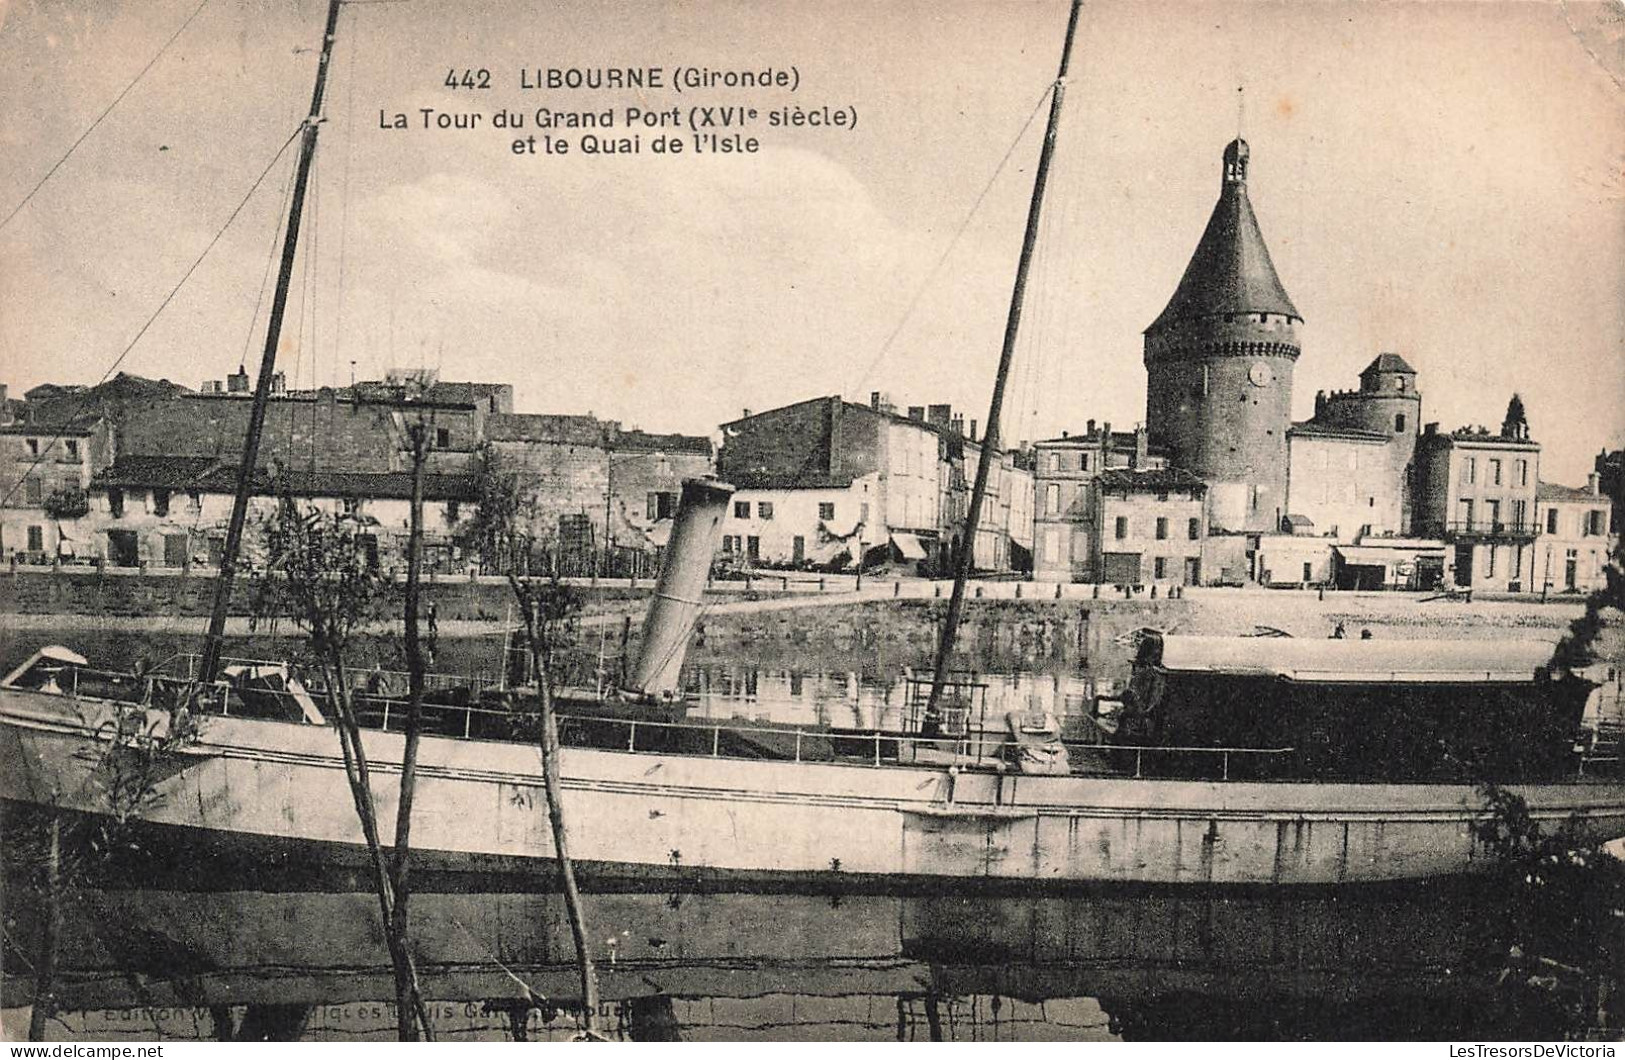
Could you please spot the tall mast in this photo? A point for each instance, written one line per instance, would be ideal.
(262, 387)
(990, 440)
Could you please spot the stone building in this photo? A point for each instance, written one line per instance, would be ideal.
(178, 448)
(1151, 527)
(171, 512)
(1575, 540)
(1066, 519)
(588, 485)
(1343, 483)
(1610, 470)
(1349, 468)
(357, 429)
(1219, 361)
(45, 473)
(1476, 491)
(826, 467)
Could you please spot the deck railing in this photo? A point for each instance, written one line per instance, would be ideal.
(733, 740)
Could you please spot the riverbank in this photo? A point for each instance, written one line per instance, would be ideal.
(902, 621)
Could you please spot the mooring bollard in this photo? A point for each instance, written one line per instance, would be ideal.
(1018, 590)
(784, 584)
(896, 589)
(938, 590)
(1097, 590)
(978, 592)
(820, 585)
(1057, 590)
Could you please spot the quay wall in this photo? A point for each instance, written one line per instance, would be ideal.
(773, 623)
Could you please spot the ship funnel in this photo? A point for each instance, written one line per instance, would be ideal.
(677, 600)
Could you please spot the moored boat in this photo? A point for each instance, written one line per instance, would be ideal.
(712, 804)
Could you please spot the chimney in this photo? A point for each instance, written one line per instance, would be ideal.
(746, 415)
(1091, 428)
(1142, 447)
(279, 383)
(237, 383)
(916, 413)
(973, 430)
(675, 606)
(1320, 403)
(1066, 434)
(940, 415)
(1594, 484)
(874, 400)
(958, 425)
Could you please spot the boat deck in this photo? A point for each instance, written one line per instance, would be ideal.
(587, 721)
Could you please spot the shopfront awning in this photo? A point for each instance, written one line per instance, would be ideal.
(1369, 556)
(909, 545)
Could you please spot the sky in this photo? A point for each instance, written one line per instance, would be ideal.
(1444, 180)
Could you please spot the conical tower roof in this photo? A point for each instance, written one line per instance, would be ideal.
(1231, 271)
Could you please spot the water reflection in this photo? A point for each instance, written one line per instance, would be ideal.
(1387, 963)
(805, 684)
(851, 698)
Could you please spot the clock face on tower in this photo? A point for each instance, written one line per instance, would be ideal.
(1259, 374)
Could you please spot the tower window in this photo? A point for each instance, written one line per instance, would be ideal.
(1399, 383)
(1399, 423)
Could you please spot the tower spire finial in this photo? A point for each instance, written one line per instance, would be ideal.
(1235, 155)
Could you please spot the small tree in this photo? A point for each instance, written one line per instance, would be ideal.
(547, 610)
(493, 530)
(1562, 925)
(320, 573)
(139, 741)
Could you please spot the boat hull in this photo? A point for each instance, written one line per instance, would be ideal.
(272, 793)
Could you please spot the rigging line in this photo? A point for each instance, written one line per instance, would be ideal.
(344, 189)
(299, 330)
(964, 224)
(1049, 294)
(312, 263)
(270, 259)
(1073, 204)
(92, 128)
(78, 407)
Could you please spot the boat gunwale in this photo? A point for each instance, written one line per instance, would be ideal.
(82, 728)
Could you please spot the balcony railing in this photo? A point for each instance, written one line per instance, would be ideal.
(1487, 528)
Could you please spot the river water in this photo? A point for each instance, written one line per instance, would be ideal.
(184, 958)
(1407, 963)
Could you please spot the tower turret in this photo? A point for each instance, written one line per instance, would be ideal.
(1219, 362)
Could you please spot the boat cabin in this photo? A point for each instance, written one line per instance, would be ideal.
(1369, 710)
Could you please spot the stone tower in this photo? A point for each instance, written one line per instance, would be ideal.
(1219, 364)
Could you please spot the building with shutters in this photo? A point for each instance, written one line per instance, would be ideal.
(1575, 538)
